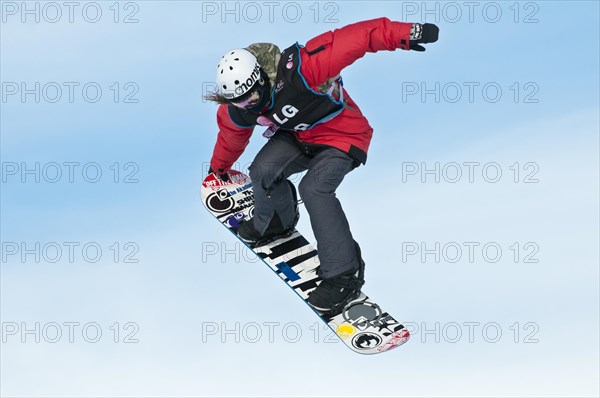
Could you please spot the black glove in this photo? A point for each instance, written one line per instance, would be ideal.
(223, 177)
(423, 33)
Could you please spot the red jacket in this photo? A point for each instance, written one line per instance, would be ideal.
(341, 48)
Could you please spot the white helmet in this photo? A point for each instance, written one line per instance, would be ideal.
(237, 73)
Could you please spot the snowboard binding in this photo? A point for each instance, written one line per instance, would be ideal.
(251, 237)
(353, 282)
(275, 230)
(268, 239)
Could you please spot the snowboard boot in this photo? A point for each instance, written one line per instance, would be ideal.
(333, 294)
(248, 233)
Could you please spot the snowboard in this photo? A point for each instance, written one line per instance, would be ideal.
(363, 326)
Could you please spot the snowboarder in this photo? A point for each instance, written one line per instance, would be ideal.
(312, 124)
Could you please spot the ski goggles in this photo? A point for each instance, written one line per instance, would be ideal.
(248, 101)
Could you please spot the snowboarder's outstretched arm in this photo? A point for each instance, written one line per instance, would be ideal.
(332, 51)
(231, 142)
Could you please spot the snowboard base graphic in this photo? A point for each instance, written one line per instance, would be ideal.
(363, 326)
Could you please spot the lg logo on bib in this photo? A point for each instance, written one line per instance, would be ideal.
(288, 112)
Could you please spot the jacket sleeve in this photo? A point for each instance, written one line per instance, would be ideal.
(332, 51)
(231, 141)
